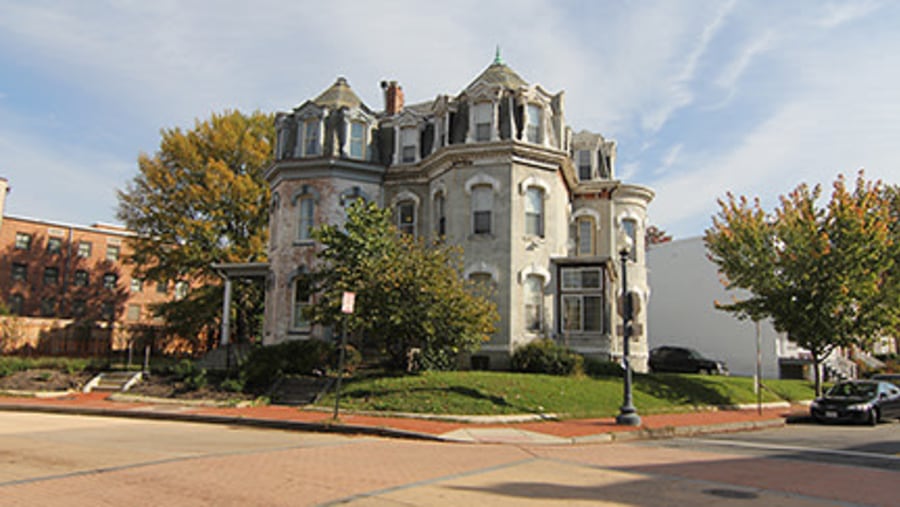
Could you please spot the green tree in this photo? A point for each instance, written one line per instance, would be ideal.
(203, 199)
(825, 275)
(408, 295)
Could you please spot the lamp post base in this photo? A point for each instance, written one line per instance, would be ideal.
(628, 417)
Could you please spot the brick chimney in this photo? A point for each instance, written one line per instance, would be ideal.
(393, 97)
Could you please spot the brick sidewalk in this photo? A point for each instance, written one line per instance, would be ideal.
(571, 430)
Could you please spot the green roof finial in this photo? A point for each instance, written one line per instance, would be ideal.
(497, 59)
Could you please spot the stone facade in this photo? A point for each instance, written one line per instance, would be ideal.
(495, 169)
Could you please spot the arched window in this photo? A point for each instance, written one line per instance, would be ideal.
(406, 216)
(584, 236)
(482, 209)
(534, 302)
(301, 296)
(534, 212)
(307, 218)
(440, 216)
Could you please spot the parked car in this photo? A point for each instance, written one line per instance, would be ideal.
(893, 378)
(865, 401)
(683, 360)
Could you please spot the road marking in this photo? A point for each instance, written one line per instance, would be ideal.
(779, 447)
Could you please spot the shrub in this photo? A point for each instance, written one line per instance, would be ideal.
(352, 358)
(234, 385)
(601, 368)
(300, 357)
(546, 356)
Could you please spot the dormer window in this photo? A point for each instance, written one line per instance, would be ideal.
(408, 144)
(585, 168)
(482, 114)
(533, 125)
(311, 138)
(357, 140)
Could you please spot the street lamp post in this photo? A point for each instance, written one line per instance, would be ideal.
(628, 415)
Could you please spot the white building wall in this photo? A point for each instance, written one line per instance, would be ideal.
(685, 285)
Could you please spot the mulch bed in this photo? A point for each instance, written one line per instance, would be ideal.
(156, 386)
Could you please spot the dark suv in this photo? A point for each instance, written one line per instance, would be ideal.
(683, 360)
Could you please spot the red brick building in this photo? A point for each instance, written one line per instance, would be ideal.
(56, 277)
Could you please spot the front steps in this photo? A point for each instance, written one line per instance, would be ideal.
(113, 381)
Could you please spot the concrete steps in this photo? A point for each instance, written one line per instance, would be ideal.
(113, 381)
(299, 390)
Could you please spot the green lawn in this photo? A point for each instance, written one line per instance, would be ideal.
(492, 393)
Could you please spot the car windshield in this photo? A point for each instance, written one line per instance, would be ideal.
(853, 390)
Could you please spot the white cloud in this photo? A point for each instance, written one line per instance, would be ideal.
(734, 70)
(838, 13)
(50, 180)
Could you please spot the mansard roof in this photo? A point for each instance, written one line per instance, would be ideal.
(498, 74)
(339, 95)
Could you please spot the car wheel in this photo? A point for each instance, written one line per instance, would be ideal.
(872, 419)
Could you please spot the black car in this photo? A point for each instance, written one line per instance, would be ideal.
(683, 360)
(865, 401)
(893, 378)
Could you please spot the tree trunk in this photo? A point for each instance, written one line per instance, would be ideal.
(818, 374)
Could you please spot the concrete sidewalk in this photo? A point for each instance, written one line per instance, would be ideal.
(521, 430)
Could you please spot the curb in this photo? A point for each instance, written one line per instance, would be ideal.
(318, 427)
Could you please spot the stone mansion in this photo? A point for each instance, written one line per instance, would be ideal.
(495, 169)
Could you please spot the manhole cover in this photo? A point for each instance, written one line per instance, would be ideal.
(732, 493)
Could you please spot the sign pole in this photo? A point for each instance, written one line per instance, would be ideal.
(347, 304)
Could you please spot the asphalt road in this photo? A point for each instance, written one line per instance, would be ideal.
(877, 447)
(63, 460)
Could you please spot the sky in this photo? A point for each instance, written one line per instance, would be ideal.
(702, 97)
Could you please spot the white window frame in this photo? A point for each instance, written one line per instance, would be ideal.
(84, 249)
(357, 141)
(409, 145)
(482, 121)
(19, 272)
(482, 192)
(575, 293)
(110, 281)
(440, 214)
(311, 137)
(533, 304)
(535, 218)
(23, 241)
(579, 162)
(588, 222)
(406, 227)
(113, 252)
(298, 322)
(534, 119)
(306, 217)
(54, 246)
